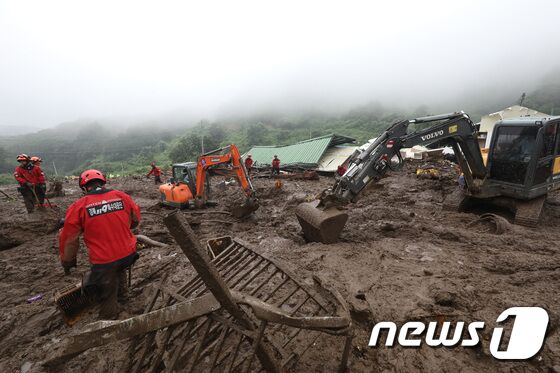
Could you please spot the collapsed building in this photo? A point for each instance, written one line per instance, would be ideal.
(323, 154)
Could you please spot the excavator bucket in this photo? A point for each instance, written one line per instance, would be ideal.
(320, 225)
(247, 208)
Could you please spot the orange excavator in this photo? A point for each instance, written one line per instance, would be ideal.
(190, 186)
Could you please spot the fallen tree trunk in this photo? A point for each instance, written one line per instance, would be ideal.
(147, 240)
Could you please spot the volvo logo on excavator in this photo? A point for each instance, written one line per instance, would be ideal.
(432, 135)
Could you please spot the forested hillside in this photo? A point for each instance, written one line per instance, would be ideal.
(72, 147)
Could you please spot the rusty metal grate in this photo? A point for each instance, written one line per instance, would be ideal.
(216, 342)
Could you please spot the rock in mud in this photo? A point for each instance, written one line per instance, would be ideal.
(360, 311)
(445, 298)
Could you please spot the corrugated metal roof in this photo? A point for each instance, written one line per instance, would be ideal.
(306, 154)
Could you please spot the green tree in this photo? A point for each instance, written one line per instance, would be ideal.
(4, 164)
(257, 134)
(216, 134)
(187, 148)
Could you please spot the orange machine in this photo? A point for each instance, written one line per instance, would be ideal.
(189, 187)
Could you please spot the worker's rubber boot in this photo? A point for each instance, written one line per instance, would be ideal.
(109, 308)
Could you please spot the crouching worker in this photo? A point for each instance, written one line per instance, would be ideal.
(105, 217)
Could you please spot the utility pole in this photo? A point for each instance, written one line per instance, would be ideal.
(54, 166)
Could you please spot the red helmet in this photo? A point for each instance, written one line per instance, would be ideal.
(36, 159)
(89, 175)
(22, 157)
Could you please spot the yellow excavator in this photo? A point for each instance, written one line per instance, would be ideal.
(523, 165)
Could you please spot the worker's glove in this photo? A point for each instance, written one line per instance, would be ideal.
(29, 185)
(67, 265)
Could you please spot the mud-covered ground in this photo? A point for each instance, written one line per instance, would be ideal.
(401, 258)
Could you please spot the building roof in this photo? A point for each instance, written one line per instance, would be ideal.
(306, 154)
(334, 157)
(488, 121)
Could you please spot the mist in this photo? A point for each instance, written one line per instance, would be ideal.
(136, 60)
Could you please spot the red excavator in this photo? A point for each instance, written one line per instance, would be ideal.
(190, 186)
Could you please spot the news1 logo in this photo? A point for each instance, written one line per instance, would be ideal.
(526, 339)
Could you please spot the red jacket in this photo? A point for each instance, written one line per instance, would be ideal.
(248, 163)
(24, 175)
(39, 175)
(105, 218)
(276, 163)
(156, 171)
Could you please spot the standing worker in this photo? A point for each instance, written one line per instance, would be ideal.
(276, 165)
(29, 183)
(156, 171)
(106, 218)
(41, 189)
(249, 163)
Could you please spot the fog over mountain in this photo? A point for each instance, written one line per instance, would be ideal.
(181, 61)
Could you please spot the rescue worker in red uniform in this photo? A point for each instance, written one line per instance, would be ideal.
(36, 161)
(249, 163)
(276, 165)
(156, 171)
(31, 183)
(105, 217)
(40, 175)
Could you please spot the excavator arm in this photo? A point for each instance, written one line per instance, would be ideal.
(230, 157)
(371, 164)
(322, 221)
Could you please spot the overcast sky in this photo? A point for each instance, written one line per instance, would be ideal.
(65, 60)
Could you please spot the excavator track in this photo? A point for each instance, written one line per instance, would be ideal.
(528, 213)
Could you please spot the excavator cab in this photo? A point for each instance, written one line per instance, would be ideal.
(178, 191)
(524, 156)
(184, 173)
(513, 150)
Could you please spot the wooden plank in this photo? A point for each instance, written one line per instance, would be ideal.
(104, 332)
